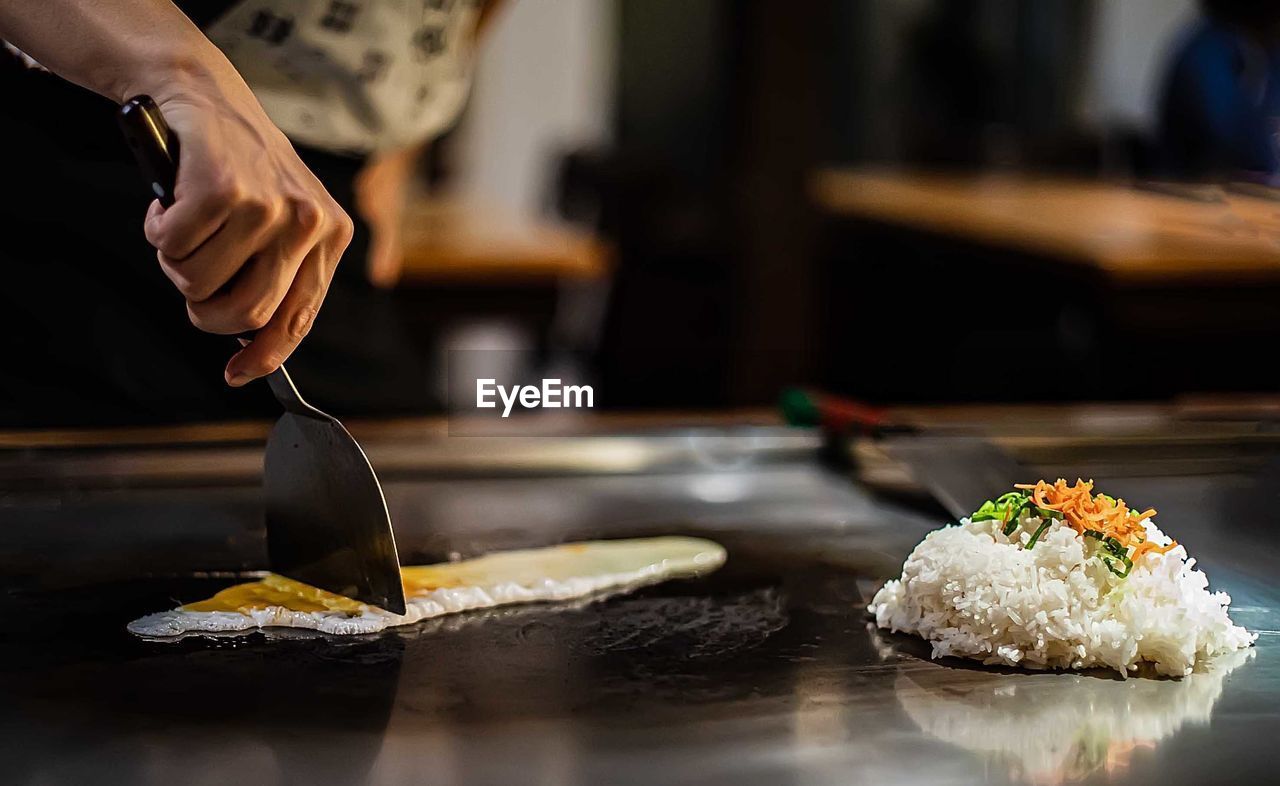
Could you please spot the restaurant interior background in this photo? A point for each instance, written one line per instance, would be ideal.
(697, 204)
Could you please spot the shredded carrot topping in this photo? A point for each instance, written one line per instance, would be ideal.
(1082, 510)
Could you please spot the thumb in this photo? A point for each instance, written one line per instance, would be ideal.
(154, 222)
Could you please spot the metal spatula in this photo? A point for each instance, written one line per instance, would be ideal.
(327, 521)
(959, 472)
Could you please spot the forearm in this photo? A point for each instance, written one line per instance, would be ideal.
(117, 48)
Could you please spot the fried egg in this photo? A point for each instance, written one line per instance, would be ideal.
(556, 573)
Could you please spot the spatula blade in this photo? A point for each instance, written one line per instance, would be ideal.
(327, 521)
(959, 472)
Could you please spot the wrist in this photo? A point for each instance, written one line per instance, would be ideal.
(171, 70)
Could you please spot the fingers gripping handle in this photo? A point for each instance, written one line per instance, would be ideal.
(155, 147)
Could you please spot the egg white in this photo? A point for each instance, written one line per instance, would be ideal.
(556, 573)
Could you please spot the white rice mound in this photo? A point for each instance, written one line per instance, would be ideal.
(973, 592)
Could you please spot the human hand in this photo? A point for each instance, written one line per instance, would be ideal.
(381, 189)
(252, 238)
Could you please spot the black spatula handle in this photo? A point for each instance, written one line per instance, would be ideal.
(154, 145)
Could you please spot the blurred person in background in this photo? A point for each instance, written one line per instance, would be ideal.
(95, 332)
(1220, 106)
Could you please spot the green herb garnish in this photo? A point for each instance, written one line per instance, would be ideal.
(1009, 509)
(1115, 552)
(1004, 508)
(1128, 566)
(1044, 525)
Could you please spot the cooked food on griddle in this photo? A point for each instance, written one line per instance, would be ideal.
(1054, 576)
(564, 572)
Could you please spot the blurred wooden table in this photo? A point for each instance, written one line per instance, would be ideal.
(1133, 237)
(456, 242)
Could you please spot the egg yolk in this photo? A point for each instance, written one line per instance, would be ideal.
(275, 590)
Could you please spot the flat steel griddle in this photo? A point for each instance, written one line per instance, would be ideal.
(766, 672)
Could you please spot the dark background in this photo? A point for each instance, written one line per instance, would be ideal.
(729, 283)
(732, 280)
